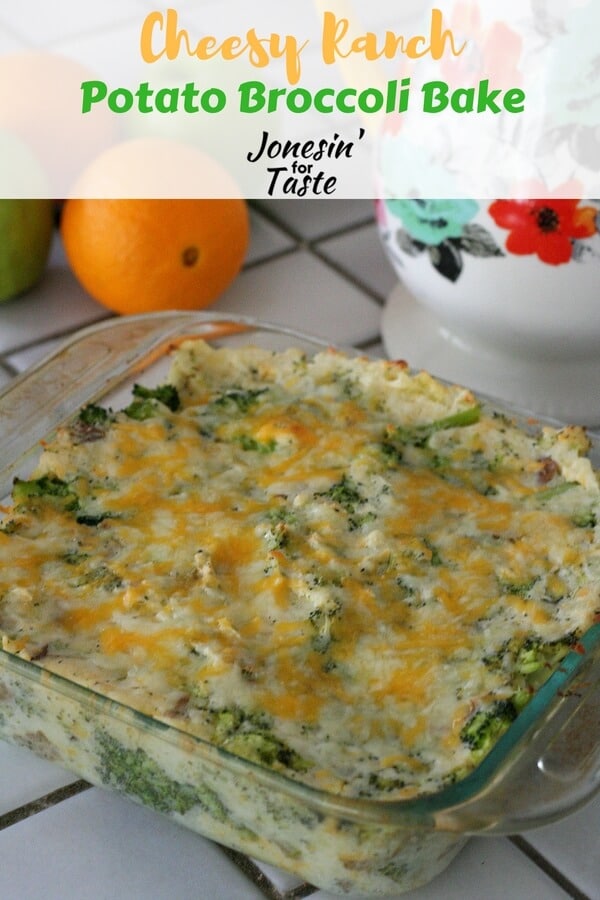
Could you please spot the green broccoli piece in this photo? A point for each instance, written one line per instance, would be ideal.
(56, 491)
(238, 399)
(91, 519)
(586, 519)
(140, 410)
(93, 415)
(344, 492)
(556, 490)
(146, 404)
(90, 424)
(418, 435)
(393, 453)
(530, 661)
(249, 735)
(249, 443)
(48, 486)
(134, 773)
(535, 659)
(166, 394)
(485, 727)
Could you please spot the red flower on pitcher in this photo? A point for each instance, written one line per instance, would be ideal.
(547, 228)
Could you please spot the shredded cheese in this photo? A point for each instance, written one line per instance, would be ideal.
(349, 555)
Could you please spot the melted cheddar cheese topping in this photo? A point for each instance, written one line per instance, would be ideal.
(328, 565)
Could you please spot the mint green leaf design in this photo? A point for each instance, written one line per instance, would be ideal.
(433, 221)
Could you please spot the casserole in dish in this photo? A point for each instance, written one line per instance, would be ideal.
(318, 608)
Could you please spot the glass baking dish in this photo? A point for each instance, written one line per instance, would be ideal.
(545, 766)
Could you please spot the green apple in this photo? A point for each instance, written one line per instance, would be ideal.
(26, 228)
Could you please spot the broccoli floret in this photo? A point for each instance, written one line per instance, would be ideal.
(229, 721)
(247, 442)
(345, 493)
(586, 519)
(410, 444)
(146, 404)
(536, 658)
(93, 415)
(166, 394)
(265, 748)
(56, 491)
(140, 410)
(90, 424)
(134, 773)
(394, 453)
(485, 727)
(239, 399)
(92, 520)
(249, 735)
(530, 661)
(48, 486)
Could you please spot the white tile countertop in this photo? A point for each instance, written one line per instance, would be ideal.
(317, 266)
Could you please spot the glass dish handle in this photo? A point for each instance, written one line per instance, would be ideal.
(83, 369)
(552, 770)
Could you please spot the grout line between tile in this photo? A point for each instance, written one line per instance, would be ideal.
(8, 368)
(252, 871)
(344, 230)
(43, 803)
(258, 877)
(344, 273)
(555, 874)
(278, 254)
(272, 217)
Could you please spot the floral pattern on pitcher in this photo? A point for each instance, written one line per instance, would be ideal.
(443, 229)
(549, 228)
(555, 230)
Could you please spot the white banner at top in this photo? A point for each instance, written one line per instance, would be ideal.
(321, 99)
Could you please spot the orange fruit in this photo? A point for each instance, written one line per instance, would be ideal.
(143, 255)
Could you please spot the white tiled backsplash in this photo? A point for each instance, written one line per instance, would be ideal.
(319, 267)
